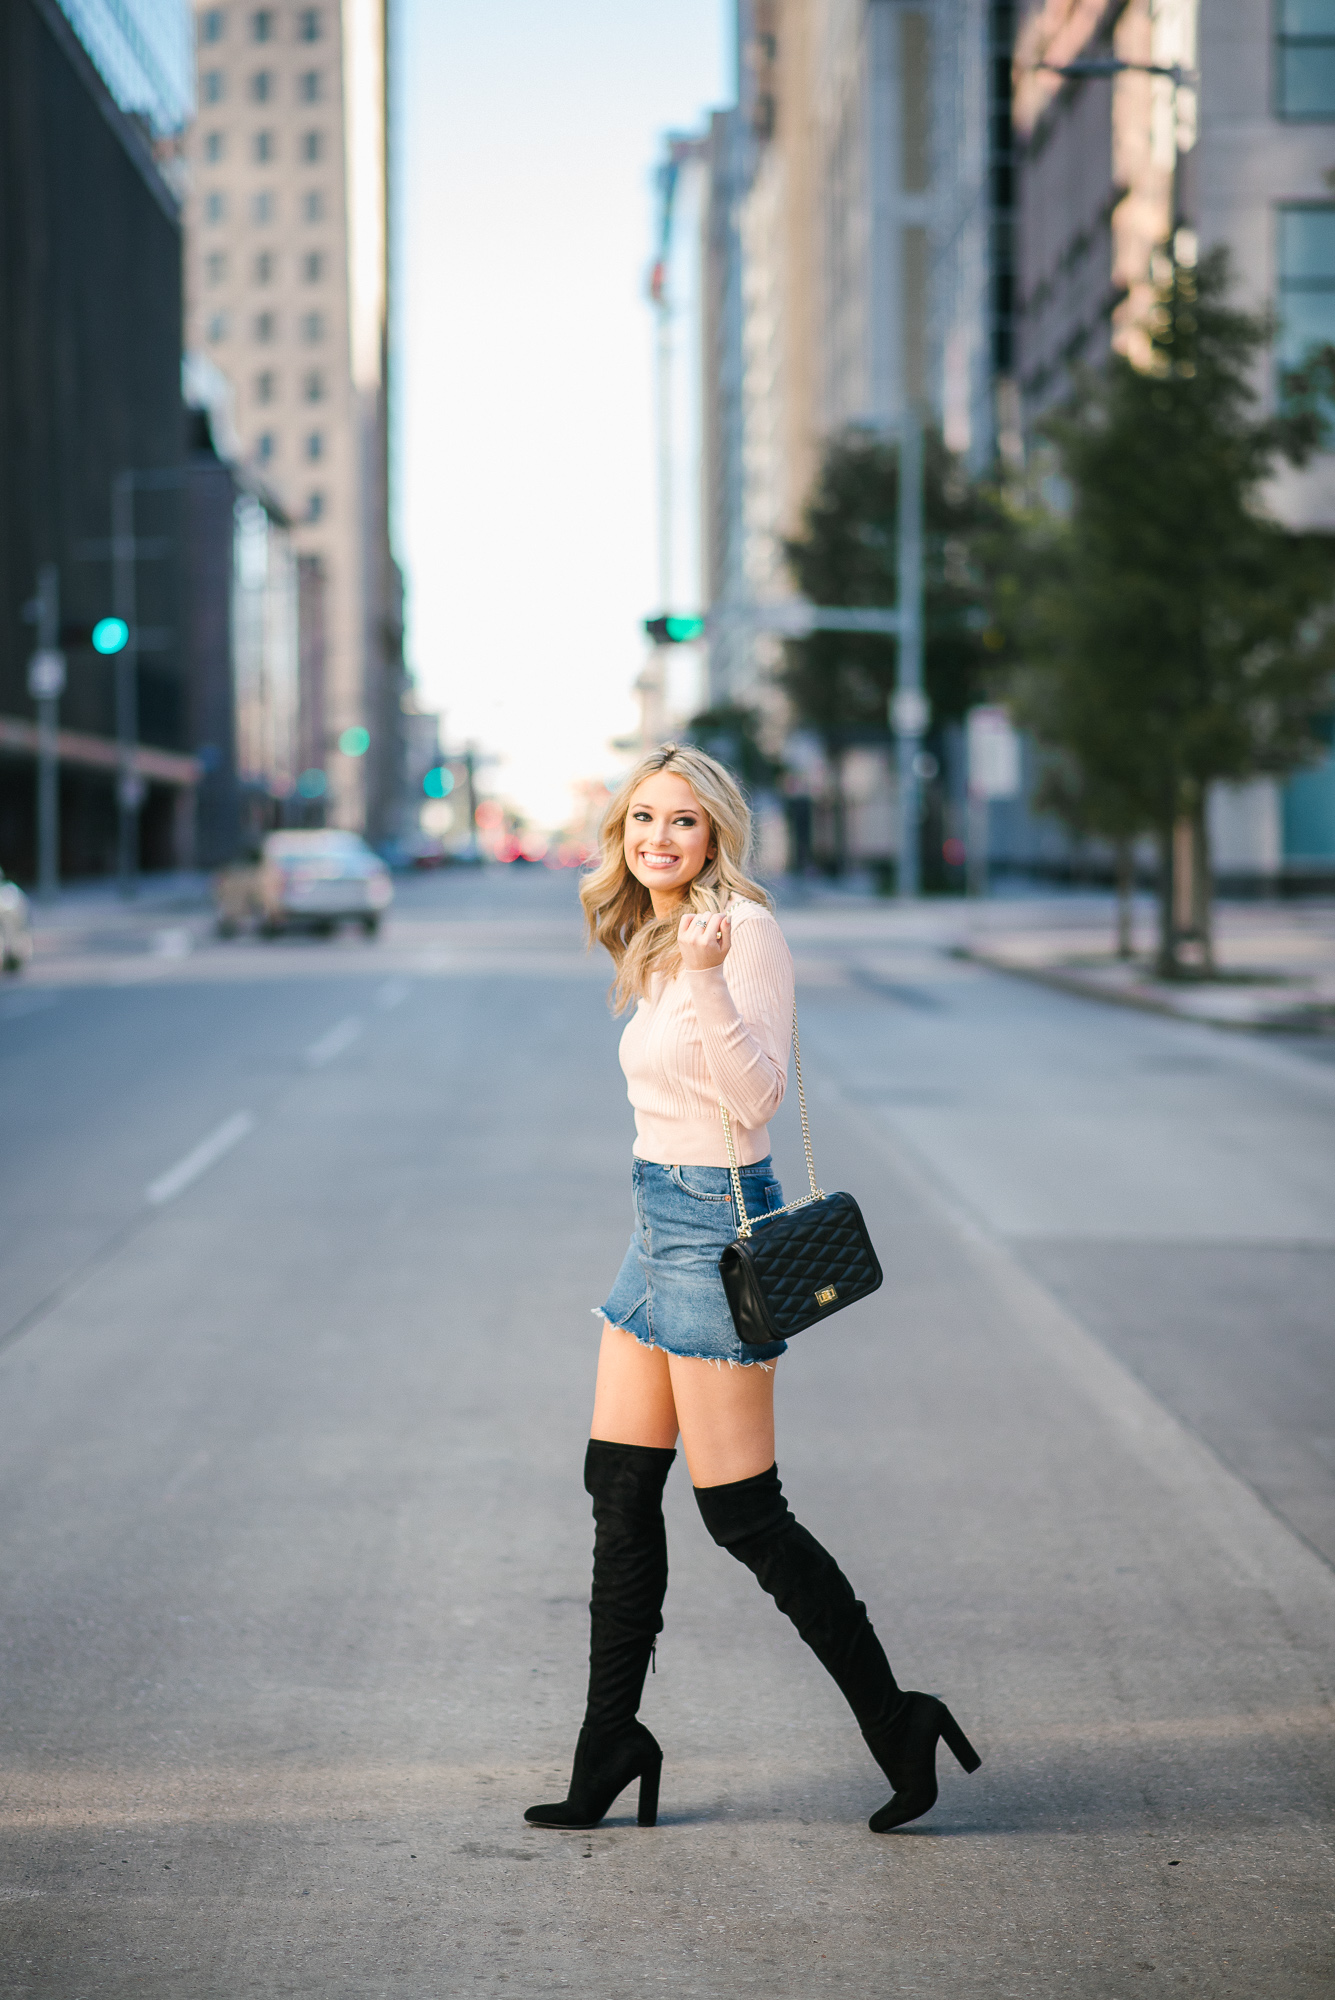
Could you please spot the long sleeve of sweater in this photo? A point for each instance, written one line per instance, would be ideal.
(744, 1009)
(705, 1035)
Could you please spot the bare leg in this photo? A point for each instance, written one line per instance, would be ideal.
(632, 1403)
(725, 1415)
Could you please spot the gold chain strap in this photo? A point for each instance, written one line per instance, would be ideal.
(744, 1221)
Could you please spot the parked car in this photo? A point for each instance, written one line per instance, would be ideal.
(15, 926)
(311, 880)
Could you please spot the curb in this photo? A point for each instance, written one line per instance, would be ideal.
(1145, 1003)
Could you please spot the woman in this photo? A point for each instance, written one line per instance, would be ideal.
(694, 942)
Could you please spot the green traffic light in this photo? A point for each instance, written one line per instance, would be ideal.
(682, 630)
(355, 742)
(438, 784)
(110, 635)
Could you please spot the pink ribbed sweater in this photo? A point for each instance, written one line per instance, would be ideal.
(705, 1035)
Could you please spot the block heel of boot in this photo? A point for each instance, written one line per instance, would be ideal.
(957, 1742)
(649, 1777)
(605, 1763)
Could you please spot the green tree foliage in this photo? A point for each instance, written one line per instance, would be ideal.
(1172, 634)
(732, 733)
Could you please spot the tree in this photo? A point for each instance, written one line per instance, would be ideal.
(840, 683)
(732, 733)
(1173, 634)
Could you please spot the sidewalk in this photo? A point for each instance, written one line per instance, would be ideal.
(1276, 960)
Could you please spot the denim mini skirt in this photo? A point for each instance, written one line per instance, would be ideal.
(668, 1292)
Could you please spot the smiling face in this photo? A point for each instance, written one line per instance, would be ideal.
(668, 838)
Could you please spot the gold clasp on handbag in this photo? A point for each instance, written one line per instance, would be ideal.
(827, 1296)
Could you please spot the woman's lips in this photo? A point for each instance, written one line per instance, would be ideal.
(664, 861)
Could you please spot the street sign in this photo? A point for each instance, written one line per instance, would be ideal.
(46, 674)
(909, 712)
(994, 754)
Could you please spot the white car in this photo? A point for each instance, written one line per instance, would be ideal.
(15, 926)
(311, 880)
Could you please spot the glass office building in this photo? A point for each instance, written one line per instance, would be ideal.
(144, 52)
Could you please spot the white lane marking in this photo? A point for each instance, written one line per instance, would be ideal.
(392, 993)
(229, 1133)
(172, 944)
(341, 1036)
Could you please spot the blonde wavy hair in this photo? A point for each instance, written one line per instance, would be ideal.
(619, 911)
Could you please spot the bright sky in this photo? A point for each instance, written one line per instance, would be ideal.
(527, 137)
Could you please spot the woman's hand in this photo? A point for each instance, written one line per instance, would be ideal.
(703, 937)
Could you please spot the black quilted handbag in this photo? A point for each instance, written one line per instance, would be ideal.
(799, 1263)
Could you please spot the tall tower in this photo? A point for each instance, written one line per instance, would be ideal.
(287, 282)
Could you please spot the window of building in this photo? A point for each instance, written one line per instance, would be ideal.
(213, 147)
(263, 207)
(215, 268)
(261, 86)
(215, 206)
(217, 327)
(266, 386)
(315, 507)
(262, 25)
(264, 268)
(312, 266)
(312, 145)
(211, 86)
(312, 327)
(266, 145)
(315, 445)
(308, 86)
(211, 24)
(308, 24)
(1306, 282)
(266, 326)
(265, 445)
(313, 386)
(313, 206)
(1305, 59)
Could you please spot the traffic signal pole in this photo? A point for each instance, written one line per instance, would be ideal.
(129, 784)
(46, 683)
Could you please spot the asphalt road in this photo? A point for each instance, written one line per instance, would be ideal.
(297, 1251)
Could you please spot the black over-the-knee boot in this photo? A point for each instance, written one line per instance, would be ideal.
(626, 1617)
(751, 1519)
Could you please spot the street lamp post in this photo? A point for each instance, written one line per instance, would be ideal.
(1110, 66)
(908, 707)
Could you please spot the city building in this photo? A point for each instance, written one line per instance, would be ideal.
(971, 294)
(90, 407)
(287, 294)
(142, 51)
(860, 257)
(1235, 150)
